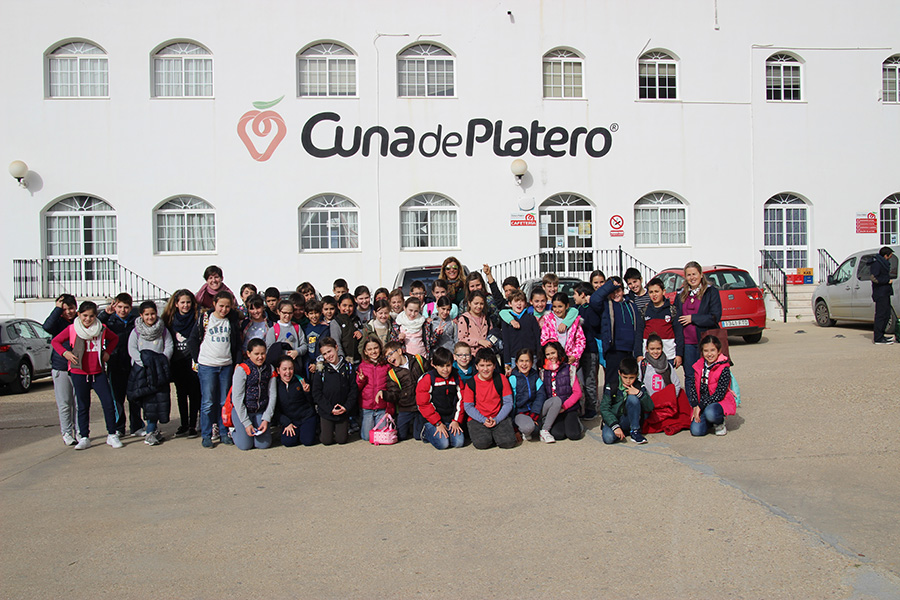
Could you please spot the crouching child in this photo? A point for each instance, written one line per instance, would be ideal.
(440, 403)
(334, 392)
(624, 406)
(400, 390)
(488, 401)
(295, 409)
(253, 393)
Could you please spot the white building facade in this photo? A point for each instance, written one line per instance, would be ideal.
(154, 135)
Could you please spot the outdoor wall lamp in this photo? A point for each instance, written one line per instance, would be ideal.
(519, 167)
(19, 170)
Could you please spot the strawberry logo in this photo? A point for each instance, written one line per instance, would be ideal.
(262, 125)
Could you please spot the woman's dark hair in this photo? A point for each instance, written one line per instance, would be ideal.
(212, 270)
(560, 353)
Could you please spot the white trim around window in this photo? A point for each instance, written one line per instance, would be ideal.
(185, 225)
(660, 220)
(429, 222)
(426, 71)
(658, 77)
(327, 70)
(784, 78)
(562, 75)
(890, 80)
(182, 69)
(77, 69)
(329, 223)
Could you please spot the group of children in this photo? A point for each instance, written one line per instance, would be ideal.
(479, 361)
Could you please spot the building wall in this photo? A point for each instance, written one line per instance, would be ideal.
(721, 147)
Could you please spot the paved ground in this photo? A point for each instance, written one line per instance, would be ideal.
(798, 501)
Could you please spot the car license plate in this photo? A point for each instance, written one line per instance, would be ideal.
(736, 323)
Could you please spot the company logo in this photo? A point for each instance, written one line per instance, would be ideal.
(261, 123)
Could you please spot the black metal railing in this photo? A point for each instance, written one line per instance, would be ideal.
(827, 265)
(773, 278)
(81, 277)
(572, 263)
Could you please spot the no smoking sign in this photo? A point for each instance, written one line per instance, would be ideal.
(616, 222)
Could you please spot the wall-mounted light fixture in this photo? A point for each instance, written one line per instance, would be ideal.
(19, 170)
(519, 167)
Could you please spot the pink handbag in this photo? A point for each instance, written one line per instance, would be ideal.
(385, 431)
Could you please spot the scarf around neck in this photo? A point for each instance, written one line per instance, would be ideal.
(87, 333)
(148, 333)
(411, 325)
(661, 365)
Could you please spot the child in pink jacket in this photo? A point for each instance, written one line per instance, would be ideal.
(371, 379)
(571, 338)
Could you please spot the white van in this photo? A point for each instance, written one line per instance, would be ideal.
(847, 295)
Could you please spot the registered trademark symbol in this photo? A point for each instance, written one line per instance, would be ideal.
(614, 127)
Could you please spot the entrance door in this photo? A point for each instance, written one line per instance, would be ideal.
(567, 240)
(786, 226)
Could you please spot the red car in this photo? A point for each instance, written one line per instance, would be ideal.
(743, 308)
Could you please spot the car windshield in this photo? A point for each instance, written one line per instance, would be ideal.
(731, 280)
(426, 276)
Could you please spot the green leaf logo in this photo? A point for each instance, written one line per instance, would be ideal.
(269, 104)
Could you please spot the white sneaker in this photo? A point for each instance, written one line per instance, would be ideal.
(114, 441)
(140, 433)
(83, 444)
(547, 437)
(721, 430)
(69, 439)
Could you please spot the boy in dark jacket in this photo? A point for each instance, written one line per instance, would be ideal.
(119, 318)
(334, 392)
(440, 403)
(60, 318)
(406, 369)
(521, 332)
(621, 326)
(624, 405)
(295, 410)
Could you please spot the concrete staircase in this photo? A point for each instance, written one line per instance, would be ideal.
(799, 304)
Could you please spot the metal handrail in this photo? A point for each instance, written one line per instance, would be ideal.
(773, 278)
(81, 277)
(827, 265)
(571, 263)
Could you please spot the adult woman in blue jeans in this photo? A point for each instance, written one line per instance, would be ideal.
(699, 310)
(215, 347)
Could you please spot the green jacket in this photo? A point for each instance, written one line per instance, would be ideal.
(612, 407)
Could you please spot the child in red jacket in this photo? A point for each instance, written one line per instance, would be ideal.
(440, 403)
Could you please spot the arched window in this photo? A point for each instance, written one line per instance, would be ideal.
(890, 219)
(78, 70)
(80, 234)
(326, 69)
(783, 78)
(785, 227)
(428, 221)
(329, 222)
(563, 77)
(183, 70)
(567, 241)
(185, 224)
(660, 219)
(425, 70)
(657, 76)
(890, 78)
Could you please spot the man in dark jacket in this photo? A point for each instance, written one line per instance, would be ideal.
(882, 290)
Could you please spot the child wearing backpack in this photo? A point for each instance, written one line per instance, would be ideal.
(285, 337)
(661, 319)
(530, 399)
(295, 410)
(86, 345)
(442, 326)
(570, 337)
(150, 347)
(180, 316)
(253, 396)
(335, 393)
(415, 329)
(440, 403)
(382, 326)
(371, 378)
(59, 319)
(710, 391)
(438, 291)
(520, 332)
(463, 364)
(624, 405)
(487, 399)
(403, 375)
(473, 325)
(313, 332)
(561, 382)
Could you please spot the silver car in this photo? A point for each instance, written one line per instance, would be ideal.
(24, 353)
(847, 295)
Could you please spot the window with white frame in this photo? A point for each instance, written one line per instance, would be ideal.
(428, 221)
(329, 222)
(660, 220)
(80, 237)
(326, 69)
(185, 224)
(785, 231)
(78, 70)
(657, 76)
(563, 74)
(890, 219)
(425, 70)
(890, 79)
(183, 70)
(783, 78)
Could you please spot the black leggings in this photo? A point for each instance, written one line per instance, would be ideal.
(187, 389)
(568, 425)
(334, 431)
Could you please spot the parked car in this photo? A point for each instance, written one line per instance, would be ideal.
(743, 308)
(566, 286)
(425, 274)
(847, 294)
(24, 353)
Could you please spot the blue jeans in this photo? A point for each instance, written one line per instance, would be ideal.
(691, 356)
(630, 420)
(369, 419)
(214, 385)
(405, 420)
(712, 414)
(246, 442)
(429, 436)
(305, 433)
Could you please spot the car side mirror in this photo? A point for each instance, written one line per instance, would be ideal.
(830, 280)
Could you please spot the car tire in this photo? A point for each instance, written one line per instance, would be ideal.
(823, 316)
(753, 338)
(24, 378)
